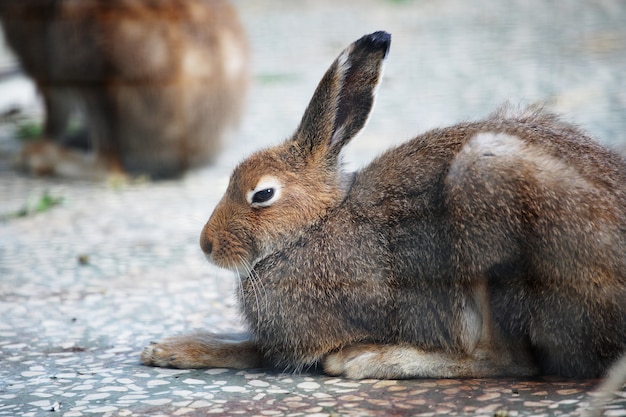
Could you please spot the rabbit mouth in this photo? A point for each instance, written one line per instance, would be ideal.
(242, 267)
(226, 250)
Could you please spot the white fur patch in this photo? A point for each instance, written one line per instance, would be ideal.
(484, 146)
(512, 149)
(343, 64)
(266, 182)
(496, 144)
(381, 73)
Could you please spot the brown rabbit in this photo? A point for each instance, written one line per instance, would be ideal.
(494, 248)
(158, 81)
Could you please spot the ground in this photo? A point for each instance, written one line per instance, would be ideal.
(92, 272)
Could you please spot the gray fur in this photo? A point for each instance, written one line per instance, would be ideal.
(491, 248)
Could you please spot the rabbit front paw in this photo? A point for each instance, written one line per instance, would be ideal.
(163, 355)
(203, 350)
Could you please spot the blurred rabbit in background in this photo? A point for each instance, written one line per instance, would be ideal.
(158, 82)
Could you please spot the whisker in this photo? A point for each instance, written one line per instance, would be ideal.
(265, 295)
(262, 284)
(255, 279)
(253, 282)
(241, 297)
(263, 288)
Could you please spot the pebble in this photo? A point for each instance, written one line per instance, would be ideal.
(308, 385)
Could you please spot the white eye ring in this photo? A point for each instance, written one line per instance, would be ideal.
(267, 192)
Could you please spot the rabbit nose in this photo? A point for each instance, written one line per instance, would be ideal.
(206, 245)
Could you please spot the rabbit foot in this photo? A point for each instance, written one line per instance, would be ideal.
(379, 361)
(406, 361)
(45, 158)
(347, 362)
(158, 354)
(202, 350)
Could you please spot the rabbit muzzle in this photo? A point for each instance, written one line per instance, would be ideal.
(227, 249)
(227, 252)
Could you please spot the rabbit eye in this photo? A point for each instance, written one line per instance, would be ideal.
(263, 196)
(266, 192)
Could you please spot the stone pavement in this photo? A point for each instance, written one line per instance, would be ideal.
(86, 283)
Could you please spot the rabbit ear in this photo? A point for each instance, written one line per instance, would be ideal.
(344, 97)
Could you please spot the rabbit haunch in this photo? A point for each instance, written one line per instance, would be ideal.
(491, 248)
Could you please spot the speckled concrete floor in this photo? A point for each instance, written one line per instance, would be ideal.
(85, 285)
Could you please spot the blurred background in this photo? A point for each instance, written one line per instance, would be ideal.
(450, 60)
(89, 265)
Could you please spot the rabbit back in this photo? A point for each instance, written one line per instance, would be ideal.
(530, 205)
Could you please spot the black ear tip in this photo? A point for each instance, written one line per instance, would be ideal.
(380, 36)
(377, 41)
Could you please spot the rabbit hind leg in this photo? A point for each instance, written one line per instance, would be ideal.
(406, 361)
(485, 353)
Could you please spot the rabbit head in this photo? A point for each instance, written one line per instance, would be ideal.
(275, 194)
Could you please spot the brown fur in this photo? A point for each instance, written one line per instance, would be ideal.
(202, 350)
(159, 81)
(491, 248)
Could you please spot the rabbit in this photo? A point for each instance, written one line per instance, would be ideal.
(487, 249)
(159, 82)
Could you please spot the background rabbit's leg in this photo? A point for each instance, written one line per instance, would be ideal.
(203, 350)
(59, 108)
(100, 156)
(406, 361)
(50, 158)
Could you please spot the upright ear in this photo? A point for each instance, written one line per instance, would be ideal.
(344, 97)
